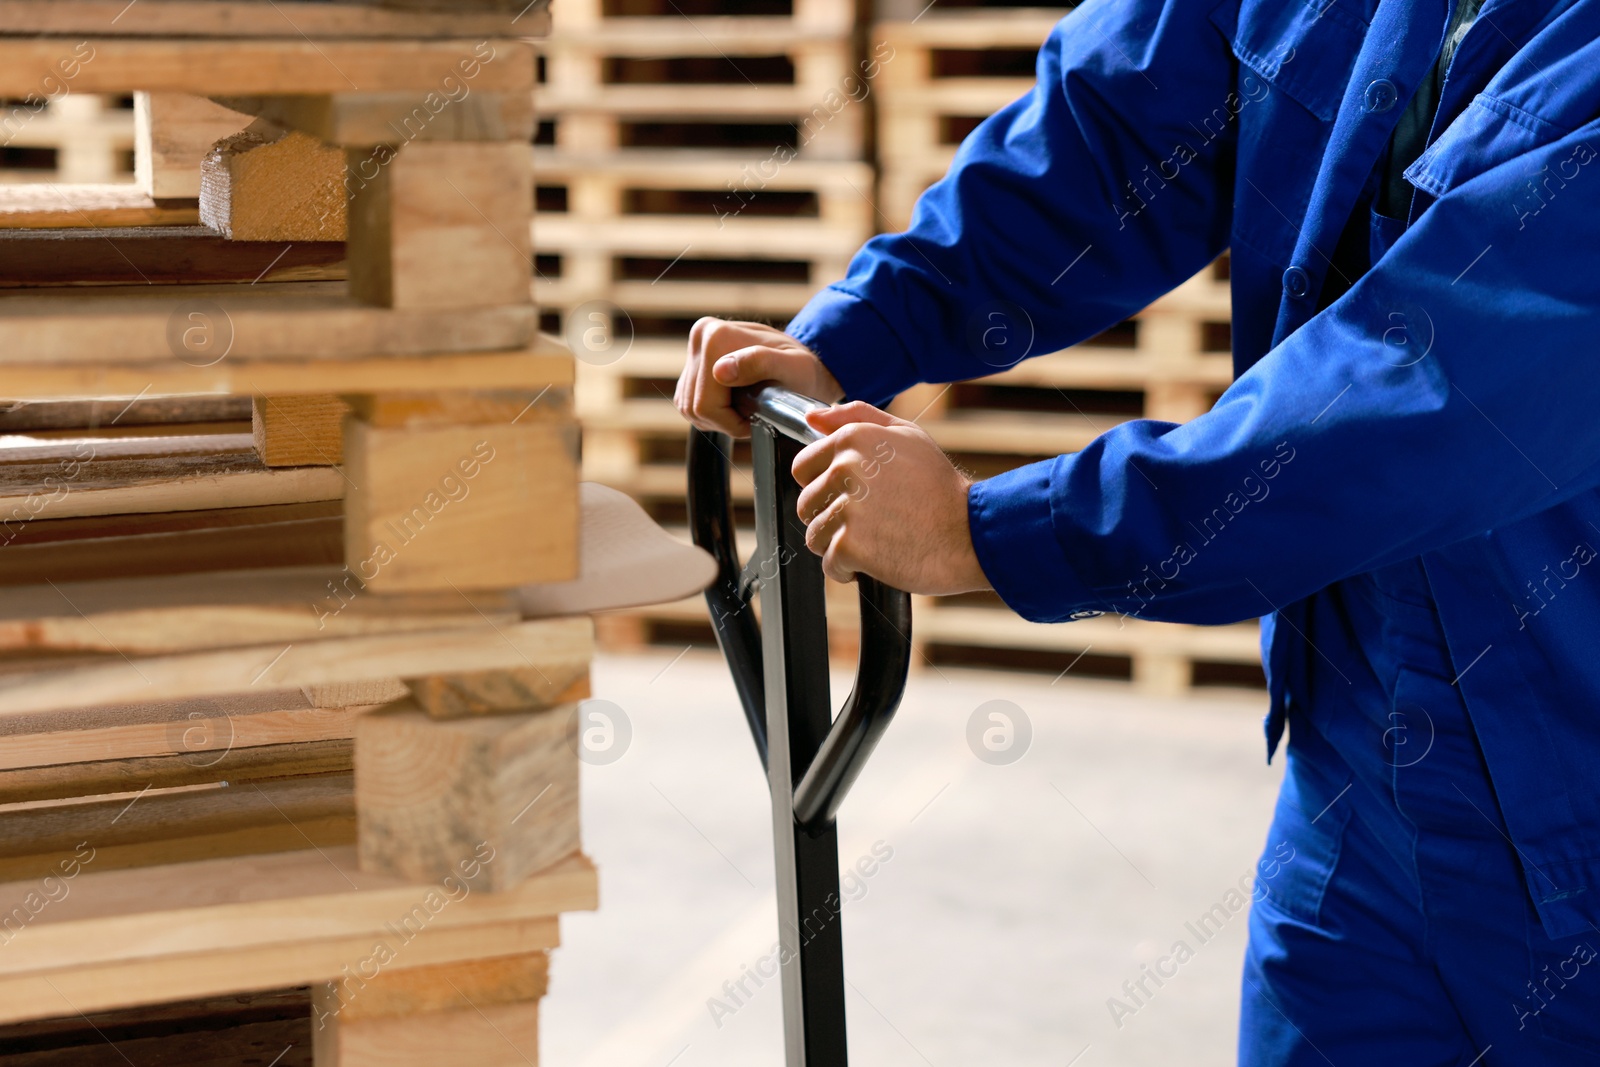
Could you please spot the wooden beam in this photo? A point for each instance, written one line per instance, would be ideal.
(201, 325)
(428, 792)
(244, 18)
(61, 682)
(455, 696)
(445, 987)
(450, 111)
(158, 255)
(540, 366)
(127, 937)
(50, 206)
(468, 507)
(441, 225)
(233, 765)
(495, 1035)
(391, 410)
(172, 133)
(292, 431)
(232, 67)
(270, 184)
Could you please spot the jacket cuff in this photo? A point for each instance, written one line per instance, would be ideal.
(1014, 537)
(856, 345)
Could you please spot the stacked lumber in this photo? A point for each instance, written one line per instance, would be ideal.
(293, 628)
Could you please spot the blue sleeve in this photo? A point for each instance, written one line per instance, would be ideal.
(1451, 390)
(1059, 217)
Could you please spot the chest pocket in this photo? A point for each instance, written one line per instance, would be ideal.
(1304, 50)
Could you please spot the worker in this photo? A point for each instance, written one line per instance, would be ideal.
(1401, 480)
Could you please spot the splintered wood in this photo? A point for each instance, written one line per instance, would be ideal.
(268, 184)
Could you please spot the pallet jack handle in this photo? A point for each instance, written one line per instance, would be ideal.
(780, 670)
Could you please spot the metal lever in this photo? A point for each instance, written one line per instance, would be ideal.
(780, 670)
(884, 658)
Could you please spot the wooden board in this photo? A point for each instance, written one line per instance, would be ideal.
(493, 1035)
(442, 225)
(79, 485)
(229, 1031)
(291, 431)
(270, 184)
(201, 325)
(244, 18)
(264, 66)
(158, 255)
(465, 507)
(232, 765)
(128, 616)
(449, 112)
(173, 132)
(50, 205)
(121, 938)
(288, 535)
(545, 364)
(427, 791)
(65, 682)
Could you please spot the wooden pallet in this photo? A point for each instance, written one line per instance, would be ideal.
(717, 77)
(952, 67)
(75, 137)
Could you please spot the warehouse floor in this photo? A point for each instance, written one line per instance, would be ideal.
(1016, 899)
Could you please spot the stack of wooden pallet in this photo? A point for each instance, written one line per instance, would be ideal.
(704, 158)
(54, 134)
(294, 625)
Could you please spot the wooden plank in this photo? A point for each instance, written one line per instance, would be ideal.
(291, 431)
(355, 694)
(121, 938)
(201, 325)
(542, 365)
(204, 732)
(442, 225)
(79, 487)
(230, 67)
(270, 184)
(427, 791)
(121, 411)
(214, 1032)
(172, 133)
(291, 543)
(85, 681)
(227, 608)
(469, 507)
(417, 990)
(234, 765)
(250, 18)
(450, 111)
(158, 255)
(169, 825)
(494, 1035)
(454, 696)
(50, 205)
(390, 410)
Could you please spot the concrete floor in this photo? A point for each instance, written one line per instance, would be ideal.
(1018, 899)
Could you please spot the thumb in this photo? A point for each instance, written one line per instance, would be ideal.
(830, 419)
(747, 366)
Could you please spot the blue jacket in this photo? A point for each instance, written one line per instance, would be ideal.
(1446, 405)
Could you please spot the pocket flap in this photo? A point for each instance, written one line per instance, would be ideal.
(1306, 51)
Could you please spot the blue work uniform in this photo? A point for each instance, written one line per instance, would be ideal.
(1402, 478)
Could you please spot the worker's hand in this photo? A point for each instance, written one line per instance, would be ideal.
(881, 498)
(724, 354)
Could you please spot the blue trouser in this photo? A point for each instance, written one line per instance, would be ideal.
(1392, 923)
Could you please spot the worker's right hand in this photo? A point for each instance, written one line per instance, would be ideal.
(724, 354)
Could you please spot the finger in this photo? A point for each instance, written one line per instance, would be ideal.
(749, 365)
(812, 460)
(830, 419)
(822, 529)
(836, 561)
(838, 481)
(713, 410)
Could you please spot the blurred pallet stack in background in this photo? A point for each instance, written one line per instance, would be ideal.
(694, 158)
(66, 137)
(290, 513)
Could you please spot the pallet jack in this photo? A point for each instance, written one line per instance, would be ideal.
(780, 670)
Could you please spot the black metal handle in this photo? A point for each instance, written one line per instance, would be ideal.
(885, 652)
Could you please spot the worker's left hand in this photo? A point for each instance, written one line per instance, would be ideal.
(880, 497)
